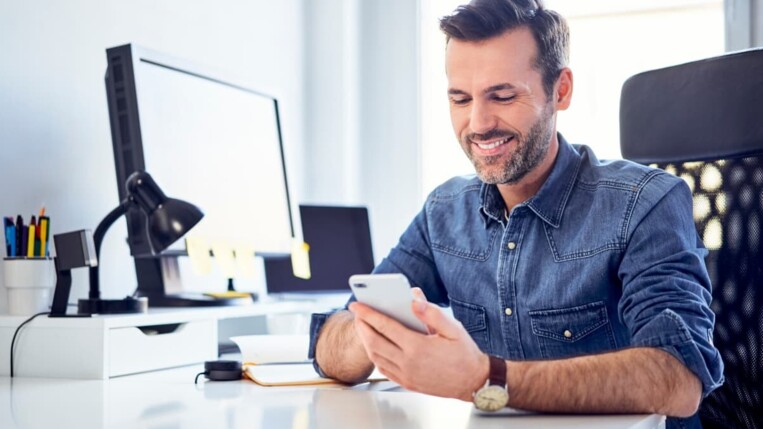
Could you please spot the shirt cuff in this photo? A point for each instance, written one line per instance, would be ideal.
(317, 321)
(669, 332)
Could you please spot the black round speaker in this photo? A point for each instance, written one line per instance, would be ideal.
(222, 370)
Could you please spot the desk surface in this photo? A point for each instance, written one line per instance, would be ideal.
(170, 399)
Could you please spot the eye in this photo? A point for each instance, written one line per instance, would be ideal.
(503, 99)
(460, 101)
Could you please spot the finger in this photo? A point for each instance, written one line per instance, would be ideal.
(418, 293)
(375, 344)
(387, 367)
(436, 319)
(386, 326)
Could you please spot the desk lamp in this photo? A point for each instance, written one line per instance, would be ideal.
(168, 220)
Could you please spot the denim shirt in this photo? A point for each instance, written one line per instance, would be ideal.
(605, 256)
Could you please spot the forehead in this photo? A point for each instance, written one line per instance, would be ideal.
(506, 58)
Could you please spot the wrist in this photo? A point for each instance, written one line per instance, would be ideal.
(479, 378)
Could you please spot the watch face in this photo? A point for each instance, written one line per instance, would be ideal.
(491, 398)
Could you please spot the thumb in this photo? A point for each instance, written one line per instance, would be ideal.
(436, 320)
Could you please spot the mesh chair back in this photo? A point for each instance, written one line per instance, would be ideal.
(703, 122)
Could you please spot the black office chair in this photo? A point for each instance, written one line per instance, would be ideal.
(703, 121)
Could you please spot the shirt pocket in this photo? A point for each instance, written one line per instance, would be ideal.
(573, 331)
(474, 319)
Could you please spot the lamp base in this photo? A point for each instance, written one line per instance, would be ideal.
(113, 306)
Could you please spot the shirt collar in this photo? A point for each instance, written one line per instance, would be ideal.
(549, 202)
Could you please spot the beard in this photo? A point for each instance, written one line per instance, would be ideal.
(529, 151)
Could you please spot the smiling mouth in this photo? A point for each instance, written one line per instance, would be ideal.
(493, 145)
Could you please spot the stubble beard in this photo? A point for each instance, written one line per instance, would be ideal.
(528, 153)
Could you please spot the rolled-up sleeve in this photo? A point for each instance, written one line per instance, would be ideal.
(412, 257)
(666, 288)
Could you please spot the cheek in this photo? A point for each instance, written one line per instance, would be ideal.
(459, 118)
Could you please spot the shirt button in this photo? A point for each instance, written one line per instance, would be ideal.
(508, 311)
(567, 334)
(512, 245)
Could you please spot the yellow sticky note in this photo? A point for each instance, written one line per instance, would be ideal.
(225, 259)
(300, 259)
(198, 252)
(245, 262)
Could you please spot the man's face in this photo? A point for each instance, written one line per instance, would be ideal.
(499, 110)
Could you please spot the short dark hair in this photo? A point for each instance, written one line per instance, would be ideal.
(483, 19)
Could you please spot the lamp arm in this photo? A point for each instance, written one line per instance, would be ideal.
(100, 232)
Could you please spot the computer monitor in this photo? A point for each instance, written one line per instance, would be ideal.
(340, 246)
(206, 139)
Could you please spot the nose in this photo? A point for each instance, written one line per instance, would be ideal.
(481, 118)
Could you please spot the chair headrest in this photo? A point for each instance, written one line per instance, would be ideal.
(703, 110)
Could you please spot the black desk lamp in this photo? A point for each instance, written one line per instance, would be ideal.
(168, 220)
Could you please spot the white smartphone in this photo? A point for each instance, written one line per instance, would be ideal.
(389, 294)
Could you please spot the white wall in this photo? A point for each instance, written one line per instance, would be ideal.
(362, 130)
(55, 143)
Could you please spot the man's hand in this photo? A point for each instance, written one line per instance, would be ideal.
(339, 351)
(446, 362)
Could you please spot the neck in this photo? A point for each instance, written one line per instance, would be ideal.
(517, 193)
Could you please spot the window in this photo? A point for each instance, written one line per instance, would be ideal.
(610, 41)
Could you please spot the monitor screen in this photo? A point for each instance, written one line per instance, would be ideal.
(340, 246)
(205, 139)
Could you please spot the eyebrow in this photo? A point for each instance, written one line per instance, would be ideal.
(494, 88)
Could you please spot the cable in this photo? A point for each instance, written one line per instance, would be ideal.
(13, 341)
(196, 380)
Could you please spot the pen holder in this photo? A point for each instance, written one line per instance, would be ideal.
(30, 282)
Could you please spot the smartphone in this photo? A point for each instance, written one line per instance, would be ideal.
(389, 294)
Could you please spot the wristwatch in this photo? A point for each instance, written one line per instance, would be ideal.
(494, 395)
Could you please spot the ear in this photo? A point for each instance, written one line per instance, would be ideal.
(563, 89)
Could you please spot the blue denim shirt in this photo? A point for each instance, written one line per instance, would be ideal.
(604, 257)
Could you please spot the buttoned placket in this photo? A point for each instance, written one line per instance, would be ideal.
(507, 291)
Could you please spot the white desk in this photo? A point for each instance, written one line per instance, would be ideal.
(169, 399)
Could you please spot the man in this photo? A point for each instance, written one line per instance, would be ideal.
(580, 286)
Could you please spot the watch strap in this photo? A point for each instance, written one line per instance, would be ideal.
(497, 375)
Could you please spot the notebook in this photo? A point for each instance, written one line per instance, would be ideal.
(281, 360)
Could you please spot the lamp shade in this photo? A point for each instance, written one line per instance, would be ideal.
(168, 218)
(170, 221)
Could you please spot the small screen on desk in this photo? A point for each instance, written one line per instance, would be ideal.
(340, 246)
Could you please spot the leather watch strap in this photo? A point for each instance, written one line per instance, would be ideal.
(497, 371)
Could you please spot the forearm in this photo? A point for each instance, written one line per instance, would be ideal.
(339, 352)
(639, 380)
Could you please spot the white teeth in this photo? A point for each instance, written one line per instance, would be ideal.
(493, 145)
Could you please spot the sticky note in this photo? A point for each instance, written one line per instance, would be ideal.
(300, 259)
(245, 266)
(225, 258)
(198, 252)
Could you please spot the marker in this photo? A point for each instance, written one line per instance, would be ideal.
(10, 235)
(24, 241)
(30, 242)
(19, 231)
(44, 228)
(7, 222)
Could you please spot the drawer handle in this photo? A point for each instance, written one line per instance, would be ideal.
(160, 329)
